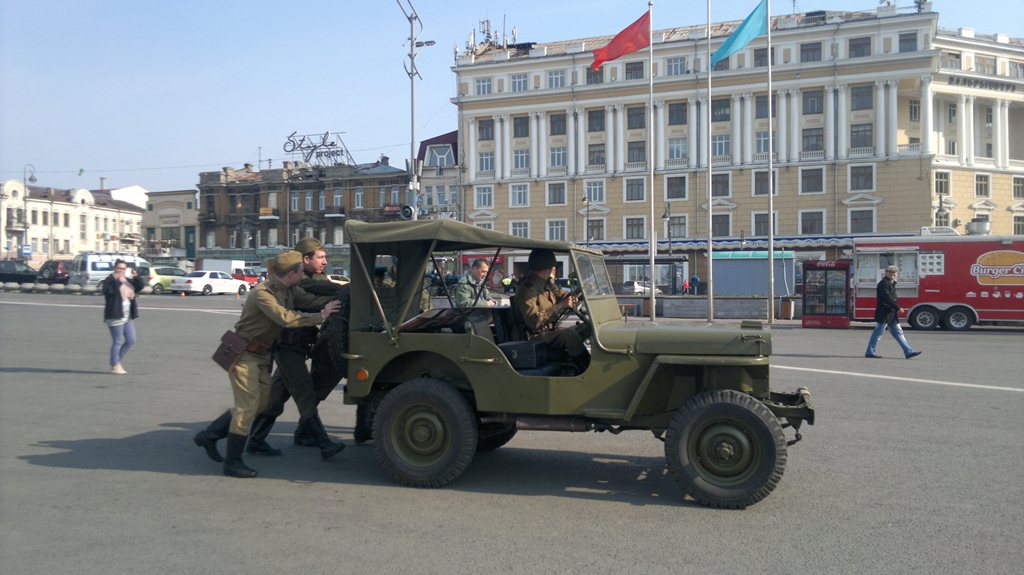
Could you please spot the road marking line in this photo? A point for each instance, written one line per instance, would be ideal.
(145, 308)
(895, 378)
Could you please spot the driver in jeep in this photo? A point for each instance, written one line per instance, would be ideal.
(541, 304)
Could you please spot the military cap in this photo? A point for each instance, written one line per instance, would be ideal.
(308, 246)
(541, 259)
(286, 262)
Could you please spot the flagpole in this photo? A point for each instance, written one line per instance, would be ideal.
(707, 140)
(771, 177)
(653, 245)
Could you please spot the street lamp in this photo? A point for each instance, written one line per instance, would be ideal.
(586, 229)
(243, 227)
(667, 218)
(942, 214)
(28, 176)
(412, 72)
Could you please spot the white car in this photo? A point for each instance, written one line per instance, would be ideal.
(639, 288)
(207, 283)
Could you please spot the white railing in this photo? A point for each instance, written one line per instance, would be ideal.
(813, 155)
(520, 171)
(1017, 163)
(485, 174)
(677, 162)
(904, 148)
(641, 165)
(558, 170)
(721, 160)
(595, 168)
(762, 157)
(861, 152)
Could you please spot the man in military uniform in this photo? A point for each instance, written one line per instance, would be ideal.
(292, 378)
(267, 310)
(468, 287)
(540, 303)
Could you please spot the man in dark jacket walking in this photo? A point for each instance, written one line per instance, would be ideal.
(887, 310)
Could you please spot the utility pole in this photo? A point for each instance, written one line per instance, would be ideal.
(413, 73)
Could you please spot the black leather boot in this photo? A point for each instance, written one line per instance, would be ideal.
(258, 436)
(362, 431)
(208, 438)
(233, 464)
(305, 436)
(328, 448)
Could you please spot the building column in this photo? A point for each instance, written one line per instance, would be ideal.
(506, 147)
(658, 135)
(734, 117)
(540, 164)
(842, 125)
(1005, 132)
(471, 149)
(926, 115)
(880, 118)
(692, 145)
(748, 128)
(830, 123)
(892, 115)
(794, 125)
(783, 126)
(570, 146)
(609, 142)
(620, 138)
(962, 129)
(581, 141)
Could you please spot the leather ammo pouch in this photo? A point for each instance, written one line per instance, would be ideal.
(231, 347)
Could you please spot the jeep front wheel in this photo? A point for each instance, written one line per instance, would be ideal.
(425, 433)
(725, 449)
(491, 436)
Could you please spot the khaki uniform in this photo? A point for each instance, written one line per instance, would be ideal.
(535, 301)
(267, 310)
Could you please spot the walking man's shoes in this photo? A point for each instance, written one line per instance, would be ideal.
(868, 355)
(913, 354)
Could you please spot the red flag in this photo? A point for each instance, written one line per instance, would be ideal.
(635, 37)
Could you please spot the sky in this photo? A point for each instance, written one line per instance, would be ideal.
(151, 93)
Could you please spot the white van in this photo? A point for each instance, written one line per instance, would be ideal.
(90, 268)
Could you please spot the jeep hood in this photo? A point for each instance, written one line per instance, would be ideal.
(686, 339)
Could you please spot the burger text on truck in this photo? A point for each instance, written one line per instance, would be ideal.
(952, 282)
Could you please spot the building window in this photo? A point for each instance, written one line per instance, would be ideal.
(861, 135)
(484, 196)
(149, 207)
(595, 155)
(761, 141)
(519, 229)
(761, 57)
(812, 180)
(1018, 226)
(519, 82)
(677, 114)
(483, 86)
(761, 106)
(861, 97)
(985, 65)
(720, 185)
(338, 201)
(951, 147)
(675, 188)
(721, 108)
(761, 183)
(521, 127)
(634, 70)
(860, 47)
(862, 178)
(636, 151)
(1015, 69)
(814, 102)
(595, 77)
(988, 118)
(722, 65)
(810, 52)
(594, 189)
(635, 189)
(814, 139)
(915, 110)
(635, 118)
(295, 202)
(676, 227)
(321, 200)
(812, 223)
(942, 183)
(595, 230)
(862, 221)
(557, 122)
(485, 129)
(360, 197)
(485, 225)
(556, 194)
(675, 66)
(721, 225)
(908, 42)
(556, 78)
(721, 145)
(557, 156)
(485, 163)
(677, 149)
(595, 120)
(1018, 188)
(634, 229)
(556, 230)
(521, 159)
(981, 185)
(395, 197)
(519, 195)
(761, 224)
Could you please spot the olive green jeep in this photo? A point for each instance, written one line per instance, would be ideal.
(443, 384)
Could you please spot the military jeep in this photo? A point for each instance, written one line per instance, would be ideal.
(442, 384)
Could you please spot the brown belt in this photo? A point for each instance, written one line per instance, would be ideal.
(258, 347)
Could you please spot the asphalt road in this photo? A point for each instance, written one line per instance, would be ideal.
(913, 467)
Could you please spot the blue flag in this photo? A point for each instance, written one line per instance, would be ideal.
(755, 25)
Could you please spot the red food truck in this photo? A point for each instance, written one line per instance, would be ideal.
(949, 281)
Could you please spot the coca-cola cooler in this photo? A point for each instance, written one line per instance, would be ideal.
(826, 294)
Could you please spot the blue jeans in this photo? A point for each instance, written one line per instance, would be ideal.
(897, 334)
(124, 339)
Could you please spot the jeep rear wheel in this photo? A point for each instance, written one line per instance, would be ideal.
(725, 449)
(425, 433)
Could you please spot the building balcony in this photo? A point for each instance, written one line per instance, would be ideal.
(595, 168)
(521, 172)
(269, 214)
(677, 162)
(558, 170)
(636, 166)
(130, 238)
(862, 152)
(914, 148)
(208, 217)
(16, 220)
(720, 161)
(485, 175)
(338, 212)
(813, 155)
(762, 157)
